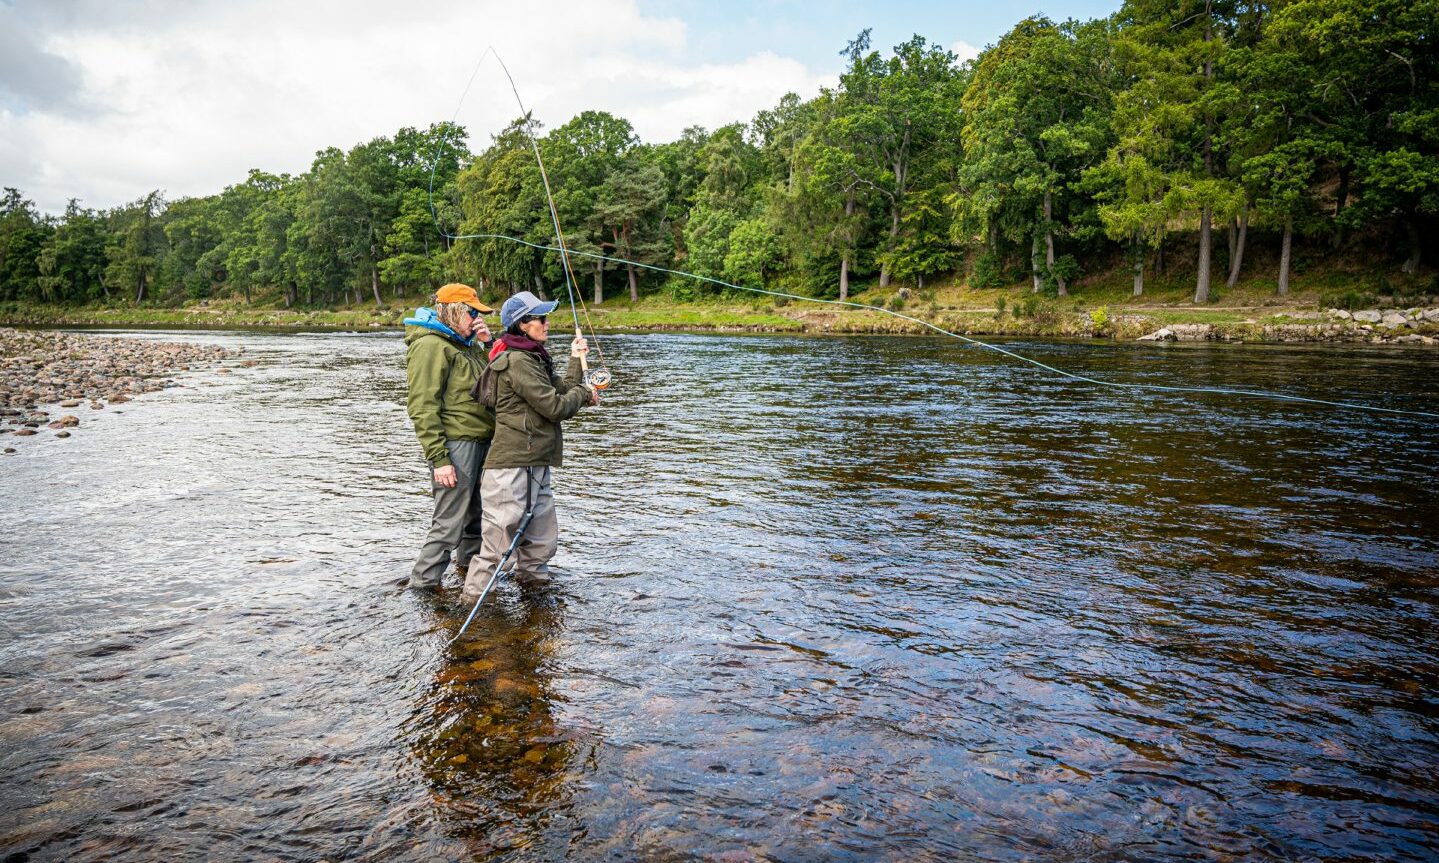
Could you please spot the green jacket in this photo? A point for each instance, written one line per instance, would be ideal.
(529, 407)
(442, 372)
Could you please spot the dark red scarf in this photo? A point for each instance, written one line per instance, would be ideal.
(523, 343)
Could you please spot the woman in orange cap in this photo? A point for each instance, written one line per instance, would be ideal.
(445, 351)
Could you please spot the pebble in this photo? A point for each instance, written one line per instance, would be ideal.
(10, 449)
(62, 434)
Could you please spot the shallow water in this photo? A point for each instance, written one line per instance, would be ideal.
(819, 599)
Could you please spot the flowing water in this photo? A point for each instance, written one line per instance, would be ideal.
(818, 599)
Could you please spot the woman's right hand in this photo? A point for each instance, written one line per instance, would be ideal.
(594, 394)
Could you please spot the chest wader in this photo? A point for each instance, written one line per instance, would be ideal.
(514, 543)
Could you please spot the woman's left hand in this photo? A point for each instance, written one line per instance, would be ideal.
(579, 347)
(479, 330)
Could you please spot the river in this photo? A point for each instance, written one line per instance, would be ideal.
(817, 599)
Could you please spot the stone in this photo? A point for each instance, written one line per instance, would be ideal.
(1340, 314)
(1431, 314)
(10, 449)
(96, 406)
(24, 432)
(62, 434)
(1392, 319)
(119, 399)
(1368, 316)
(1164, 334)
(69, 420)
(70, 403)
(222, 371)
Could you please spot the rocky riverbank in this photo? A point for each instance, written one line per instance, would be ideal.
(1372, 326)
(47, 379)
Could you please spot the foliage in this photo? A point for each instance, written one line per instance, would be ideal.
(1309, 120)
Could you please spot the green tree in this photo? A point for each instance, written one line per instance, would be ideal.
(632, 203)
(897, 111)
(1171, 111)
(72, 262)
(138, 243)
(1036, 116)
(23, 233)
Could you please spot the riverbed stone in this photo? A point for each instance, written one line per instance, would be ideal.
(1392, 319)
(1340, 314)
(62, 434)
(1163, 334)
(1369, 316)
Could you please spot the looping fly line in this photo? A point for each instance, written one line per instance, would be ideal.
(604, 374)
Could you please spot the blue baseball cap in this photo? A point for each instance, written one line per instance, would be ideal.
(521, 304)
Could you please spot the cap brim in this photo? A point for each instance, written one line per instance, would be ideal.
(478, 306)
(544, 308)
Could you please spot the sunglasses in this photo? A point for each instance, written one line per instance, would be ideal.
(474, 313)
(541, 318)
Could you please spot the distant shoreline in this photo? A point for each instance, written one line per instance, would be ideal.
(1271, 324)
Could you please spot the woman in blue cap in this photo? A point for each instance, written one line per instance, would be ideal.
(531, 401)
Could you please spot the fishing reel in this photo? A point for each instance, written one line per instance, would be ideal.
(598, 378)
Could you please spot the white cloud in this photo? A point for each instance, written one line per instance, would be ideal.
(187, 97)
(964, 51)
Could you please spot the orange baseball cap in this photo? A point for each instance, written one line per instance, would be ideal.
(455, 292)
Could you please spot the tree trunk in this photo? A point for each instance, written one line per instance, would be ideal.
(1236, 248)
(247, 294)
(1159, 258)
(1034, 261)
(1341, 197)
(140, 288)
(893, 237)
(1284, 255)
(289, 294)
(1206, 241)
(844, 258)
(599, 282)
(1049, 247)
(1138, 268)
(375, 285)
(1412, 263)
(634, 284)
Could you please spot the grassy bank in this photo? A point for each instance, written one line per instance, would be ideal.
(1101, 307)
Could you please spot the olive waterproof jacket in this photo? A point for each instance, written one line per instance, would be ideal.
(529, 406)
(442, 371)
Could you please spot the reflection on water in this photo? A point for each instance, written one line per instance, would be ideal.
(866, 598)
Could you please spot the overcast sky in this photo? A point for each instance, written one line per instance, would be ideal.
(105, 100)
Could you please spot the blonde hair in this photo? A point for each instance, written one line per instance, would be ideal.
(451, 314)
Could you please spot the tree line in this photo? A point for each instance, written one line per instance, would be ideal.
(1064, 145)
